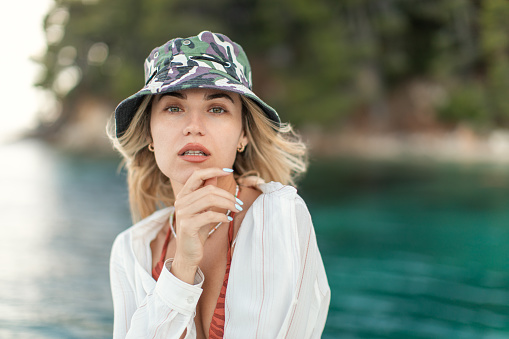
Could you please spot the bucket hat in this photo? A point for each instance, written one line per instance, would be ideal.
(208, 60)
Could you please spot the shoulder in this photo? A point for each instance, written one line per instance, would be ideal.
(275, 193)
(272, 193)
(277, 222)
(140, 232)
(280, 205)
(281, 195)
(277, 189)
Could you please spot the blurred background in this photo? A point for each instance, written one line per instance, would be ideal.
(404, 105)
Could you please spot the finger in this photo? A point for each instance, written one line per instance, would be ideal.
(198, 178)
(205, 191)
(208, 202)
(191, 198)
(210, 217)
(190, 227)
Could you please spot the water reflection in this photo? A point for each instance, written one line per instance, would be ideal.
(59, 217)
(25, 182)
(410, 252)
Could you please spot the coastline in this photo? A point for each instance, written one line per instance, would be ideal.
(461, 145)
(86, 135)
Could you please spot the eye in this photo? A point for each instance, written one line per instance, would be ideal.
(217, 110)
(173, 109)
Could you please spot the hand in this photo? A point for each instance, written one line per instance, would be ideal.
(194, 218)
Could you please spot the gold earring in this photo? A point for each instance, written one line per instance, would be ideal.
(151, 147)
(241, 148)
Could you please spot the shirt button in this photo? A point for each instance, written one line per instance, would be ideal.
(190, 300)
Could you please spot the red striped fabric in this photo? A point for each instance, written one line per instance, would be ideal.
(156, 271)
(217, 324)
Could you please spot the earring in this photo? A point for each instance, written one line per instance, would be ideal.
(151, 147)
(241, 148)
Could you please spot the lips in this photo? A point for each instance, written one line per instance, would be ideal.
(194, 153)
(194, 148)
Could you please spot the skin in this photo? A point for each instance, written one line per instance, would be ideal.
(203, 190)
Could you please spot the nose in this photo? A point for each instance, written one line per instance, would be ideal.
(194, 124)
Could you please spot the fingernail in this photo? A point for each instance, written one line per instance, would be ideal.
(230, 218)
(238, 208)
(229, 170)
(239, 201)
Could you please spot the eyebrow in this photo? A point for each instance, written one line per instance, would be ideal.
(173, 94)
(206, 97)
(219, 95)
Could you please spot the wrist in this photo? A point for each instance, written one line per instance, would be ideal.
(183, 270)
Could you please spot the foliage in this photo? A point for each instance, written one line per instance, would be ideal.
(495, 47)
(466, 103)
(316, 61)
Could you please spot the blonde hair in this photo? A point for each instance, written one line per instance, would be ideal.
(273, 153)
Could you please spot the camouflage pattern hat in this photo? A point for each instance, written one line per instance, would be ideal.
(208, 60)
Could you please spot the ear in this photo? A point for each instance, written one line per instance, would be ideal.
(243, 140)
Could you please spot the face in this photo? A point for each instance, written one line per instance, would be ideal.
(195, 128)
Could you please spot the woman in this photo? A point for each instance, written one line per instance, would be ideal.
(218, 252)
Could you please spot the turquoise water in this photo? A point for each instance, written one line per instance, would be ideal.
(411, 251)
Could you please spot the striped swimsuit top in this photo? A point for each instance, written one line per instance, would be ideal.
(217, 325)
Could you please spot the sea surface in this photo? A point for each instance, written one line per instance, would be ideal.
(412, 249)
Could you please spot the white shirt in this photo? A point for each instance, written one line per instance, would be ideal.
(277, 286)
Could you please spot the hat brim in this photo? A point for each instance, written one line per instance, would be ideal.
(207, 78)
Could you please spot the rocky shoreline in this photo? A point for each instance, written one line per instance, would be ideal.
(461, 145)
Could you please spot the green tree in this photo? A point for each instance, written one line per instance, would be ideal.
(316, 61)
(495, 46)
